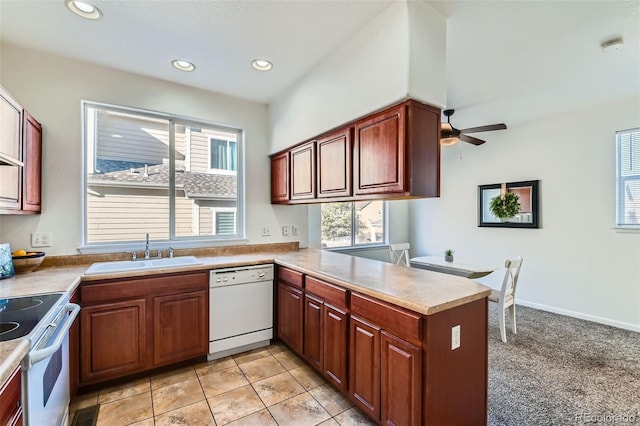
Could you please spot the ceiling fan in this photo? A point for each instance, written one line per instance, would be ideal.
(449, 135)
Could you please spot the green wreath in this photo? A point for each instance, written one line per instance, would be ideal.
(507, 207)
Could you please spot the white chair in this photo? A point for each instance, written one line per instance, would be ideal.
(506, 296)
(399, 253)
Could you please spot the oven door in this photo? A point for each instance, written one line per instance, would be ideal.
(45, 373)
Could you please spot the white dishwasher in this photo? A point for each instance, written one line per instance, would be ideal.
(240, 309)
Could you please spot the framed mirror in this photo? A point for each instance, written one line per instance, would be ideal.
(526, 195)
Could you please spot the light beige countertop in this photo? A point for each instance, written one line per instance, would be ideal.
(425, 292)
(422, 291)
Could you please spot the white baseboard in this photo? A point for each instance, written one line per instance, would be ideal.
(593, 318)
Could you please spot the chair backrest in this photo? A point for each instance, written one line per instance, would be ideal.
(399, 253)
(511, 275)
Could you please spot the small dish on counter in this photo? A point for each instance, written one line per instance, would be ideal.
(28, 262)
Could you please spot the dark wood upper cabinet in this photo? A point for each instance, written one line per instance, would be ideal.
(379, 153)
(303, 166)
(392, 153)
(32, 170)
(334, 165)
(21, 140)
(280, 178)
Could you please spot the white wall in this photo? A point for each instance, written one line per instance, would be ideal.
(576, 263)
(51, 88)
(373, 69)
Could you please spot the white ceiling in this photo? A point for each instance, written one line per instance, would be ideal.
(502, 56)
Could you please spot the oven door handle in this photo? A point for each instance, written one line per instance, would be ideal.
(36, 356)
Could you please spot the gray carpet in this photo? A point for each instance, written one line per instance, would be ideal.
(560, 370)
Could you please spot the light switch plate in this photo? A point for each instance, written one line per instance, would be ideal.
(455, 337)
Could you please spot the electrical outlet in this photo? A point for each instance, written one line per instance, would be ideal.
(455, 337)
(266, 232)
(41, 239)
(294, 230)
(285, 230)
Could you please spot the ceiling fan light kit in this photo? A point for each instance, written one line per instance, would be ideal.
(449, 135)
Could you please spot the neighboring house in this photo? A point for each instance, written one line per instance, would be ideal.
(128, 179)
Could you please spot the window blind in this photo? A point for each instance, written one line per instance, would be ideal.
(628, 177)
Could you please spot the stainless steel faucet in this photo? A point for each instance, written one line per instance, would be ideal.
(146, 248)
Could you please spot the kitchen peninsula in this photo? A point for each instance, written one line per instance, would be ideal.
(412, 344)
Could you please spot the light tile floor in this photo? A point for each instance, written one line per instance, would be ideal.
(267, 386)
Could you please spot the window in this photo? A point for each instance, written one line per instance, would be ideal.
(628, 177)
(157, 173)
(223, 155)
(352, 224)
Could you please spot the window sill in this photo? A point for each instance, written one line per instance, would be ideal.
(362, 247)
(627, 229)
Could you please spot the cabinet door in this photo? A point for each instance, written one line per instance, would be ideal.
(280, 178)
(303, 172)
(290, 307)
(335, 336)
(32, 170)
(379, 153)
(401, 381)
(334, 165)
(10, 146)
(180, 327)
(112, 340)
(364, 366)
(312, 350)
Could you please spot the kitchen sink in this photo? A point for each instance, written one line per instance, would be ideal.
(141, 265)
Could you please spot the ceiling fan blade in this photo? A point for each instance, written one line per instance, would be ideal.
(471, 139)
(488, 128)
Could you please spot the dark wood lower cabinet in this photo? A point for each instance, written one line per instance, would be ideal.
(10, 405)
(134, 325)
(401, 381)
(364, 366)
(113, 340)
(335, 349)
(290, 311)
(313, 331)
(180, 327)
(395, 365)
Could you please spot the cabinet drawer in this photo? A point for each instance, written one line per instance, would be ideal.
(328, 292)
(290, 276)
(403, 323)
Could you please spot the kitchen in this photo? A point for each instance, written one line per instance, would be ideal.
(52, 93)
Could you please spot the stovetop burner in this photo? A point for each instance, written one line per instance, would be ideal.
(20, 315)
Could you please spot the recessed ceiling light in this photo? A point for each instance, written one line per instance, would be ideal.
(261, 64)
(183, 65)
(83, 9)
(612, 45)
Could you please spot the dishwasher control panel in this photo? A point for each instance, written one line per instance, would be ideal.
(240, 275)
